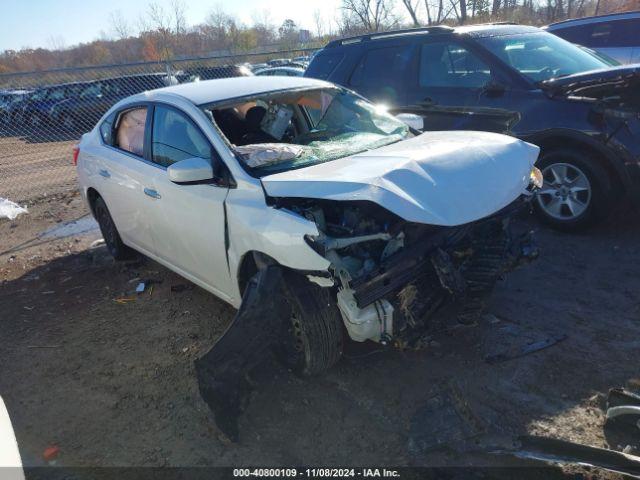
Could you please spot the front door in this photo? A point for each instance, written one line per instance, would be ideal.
(189, 221)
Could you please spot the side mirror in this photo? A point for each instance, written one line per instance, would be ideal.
(190, 170)
(414, 121)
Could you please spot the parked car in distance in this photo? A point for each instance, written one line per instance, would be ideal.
(37, 109)
(81, 111)
(280, 71)
(581, 112)
(321, 199)
(218, 71)
(616, 35)
(10, 103)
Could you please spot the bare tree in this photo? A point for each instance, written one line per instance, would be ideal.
(412, 8)
(178, 11)
(119, 25)
(372, 15)
(439, 17)
(319, 23)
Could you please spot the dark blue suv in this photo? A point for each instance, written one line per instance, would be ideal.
(582, 112)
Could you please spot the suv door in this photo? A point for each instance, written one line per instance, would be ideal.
(381, 74)
(189, 223)
(456, 88)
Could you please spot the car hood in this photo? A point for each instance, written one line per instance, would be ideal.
(595, 83)
(437, 178)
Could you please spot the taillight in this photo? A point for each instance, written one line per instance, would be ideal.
(76, 152)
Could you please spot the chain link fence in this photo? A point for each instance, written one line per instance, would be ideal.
(43, 114)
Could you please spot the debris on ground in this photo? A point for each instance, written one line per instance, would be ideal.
(51, 452)
(509, 341)
(124, 300)
(141, 287)
(10, 210)
(552, 450)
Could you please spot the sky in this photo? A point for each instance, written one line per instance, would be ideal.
(49, 23)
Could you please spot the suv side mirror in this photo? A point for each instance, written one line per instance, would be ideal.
(190, 170)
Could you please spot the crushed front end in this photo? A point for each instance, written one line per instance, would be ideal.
(391, 276)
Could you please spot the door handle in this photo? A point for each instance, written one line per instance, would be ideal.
(104, 173)
(151, 193)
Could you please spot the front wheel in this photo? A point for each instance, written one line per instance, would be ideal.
(574, 194)
(313, 336)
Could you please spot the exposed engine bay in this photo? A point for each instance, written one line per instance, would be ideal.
(391, 275)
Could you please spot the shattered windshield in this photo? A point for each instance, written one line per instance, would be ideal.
(281, 131)
(542, 56)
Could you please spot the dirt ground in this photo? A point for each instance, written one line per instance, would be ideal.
(23, 159)
(112, 383)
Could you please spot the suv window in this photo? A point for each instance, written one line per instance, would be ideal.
(130, 130)
(175, 138)
(324, 64)
(446, 64)
(381, 67)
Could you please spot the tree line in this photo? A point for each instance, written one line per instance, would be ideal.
(162, 32)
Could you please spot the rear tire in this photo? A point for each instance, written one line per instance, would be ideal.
(110, 233)
(575, 194)
(313, 338)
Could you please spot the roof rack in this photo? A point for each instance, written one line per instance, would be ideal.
(389, 34)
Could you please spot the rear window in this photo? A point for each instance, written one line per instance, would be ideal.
(323, 65)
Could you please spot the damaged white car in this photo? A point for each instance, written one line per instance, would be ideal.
(314, 212)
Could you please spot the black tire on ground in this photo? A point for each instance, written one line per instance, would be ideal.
(314, 334)
(112, 239)
(597, 203)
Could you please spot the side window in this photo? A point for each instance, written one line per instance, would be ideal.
(323, 65)
(625, 33)
(445, 64)
(175, 138)
(600, 35)
(106, 129)
(382, 66)
(579, 34)
(130, 130)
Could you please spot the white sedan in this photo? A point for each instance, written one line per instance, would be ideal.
(312, 210)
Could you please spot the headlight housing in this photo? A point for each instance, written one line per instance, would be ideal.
(535, 177)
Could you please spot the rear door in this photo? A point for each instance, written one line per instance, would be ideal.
(381, 74)
(124, 176)
(189, 221)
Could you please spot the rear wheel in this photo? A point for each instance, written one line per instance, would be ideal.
(574, 194)
(313, 338)
(110, 233)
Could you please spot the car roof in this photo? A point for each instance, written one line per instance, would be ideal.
(595, 19)
(477, 31)
(211, 91)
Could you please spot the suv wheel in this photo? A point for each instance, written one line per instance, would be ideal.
(112, 239)
(313, 338)
(573, 195)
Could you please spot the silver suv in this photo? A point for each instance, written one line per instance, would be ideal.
(615, 35)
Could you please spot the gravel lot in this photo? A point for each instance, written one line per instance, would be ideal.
(113, 383)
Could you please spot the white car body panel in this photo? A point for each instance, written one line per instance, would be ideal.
(427, 179)
(10, 461)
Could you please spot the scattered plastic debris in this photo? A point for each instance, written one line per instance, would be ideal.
(50, 453)
(141, 287)
(9, 209)
(97, 243)
(124, 300)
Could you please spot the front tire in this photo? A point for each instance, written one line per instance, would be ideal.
(110, 233)
(575, 191)
(313, 337)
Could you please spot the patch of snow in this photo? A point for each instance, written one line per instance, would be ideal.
(82, 226)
